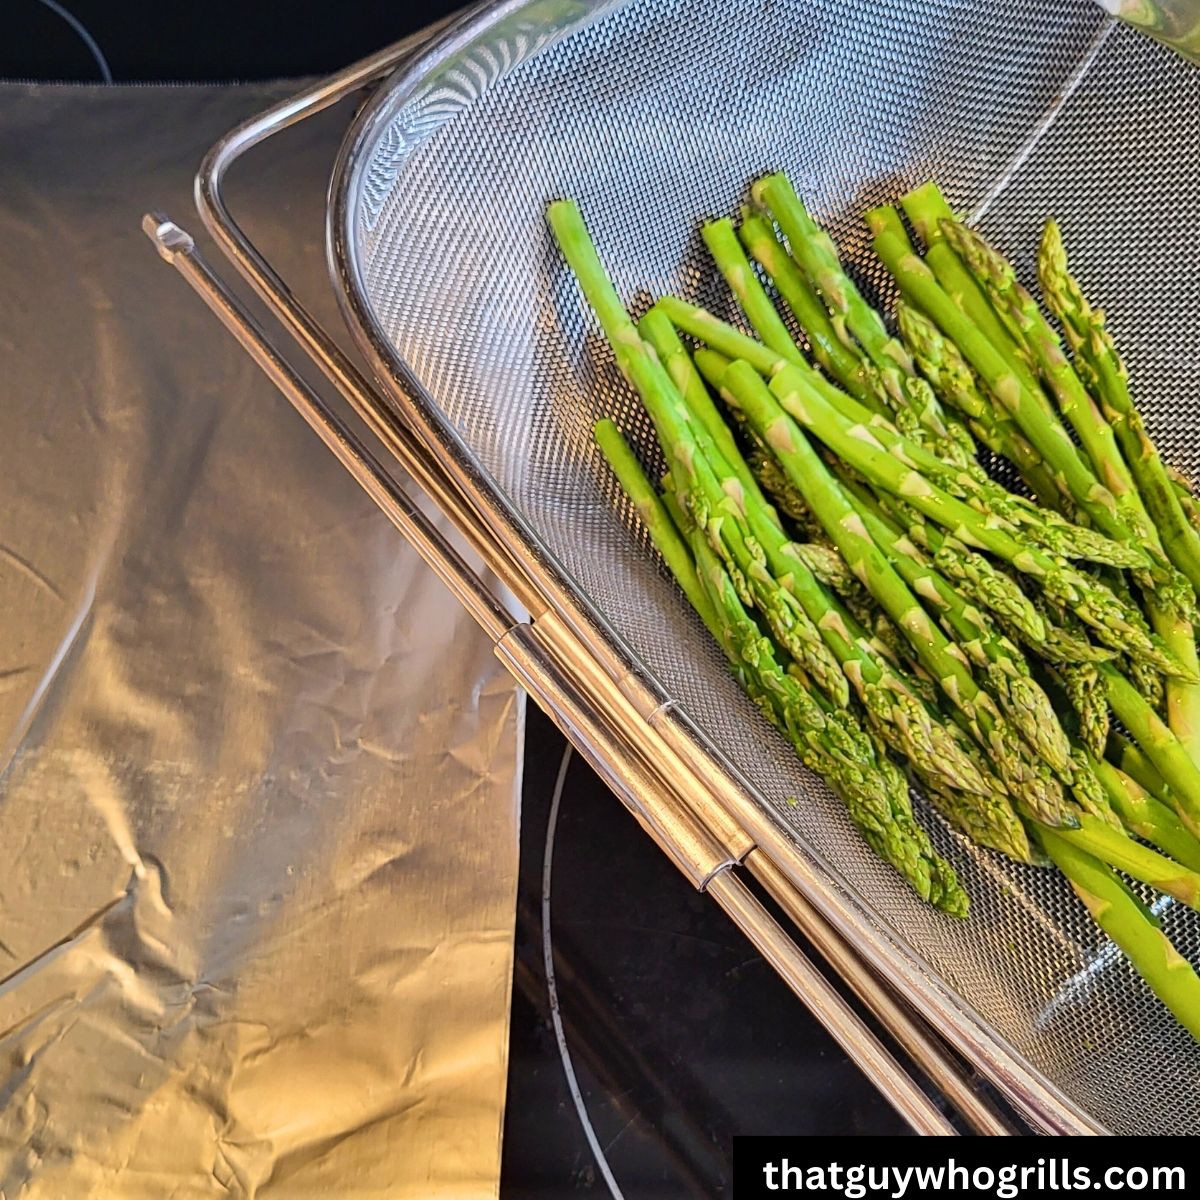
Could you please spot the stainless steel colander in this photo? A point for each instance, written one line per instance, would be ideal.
(654, 114)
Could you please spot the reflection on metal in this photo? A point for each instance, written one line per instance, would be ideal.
(846, 1028)
(1176, 23)
(911, 1035)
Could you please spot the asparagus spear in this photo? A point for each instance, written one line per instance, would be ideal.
(1066, 637)
(1045, 349)
(1097, 357)
(721, 515)
(1186, 498)
(662, 530)
(1027, 778)
(1158, 744)
(814, 251)
(1147, 817)
(979, 580)
(1046, 528)
(1094, 603)
(1085, 690)
(973, 486)
(995, 826)
(657, 330)
(1019, 398)
(952, 378)
(896, 712)
(926, 208)
(1003, 666)
(856, 375)
(1115, 848)
(885, 218)
(1125, 921)
(735, 268)
(875, 794)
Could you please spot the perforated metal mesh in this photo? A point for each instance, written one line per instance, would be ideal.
(660, 113)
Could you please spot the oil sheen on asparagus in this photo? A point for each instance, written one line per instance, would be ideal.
(900, 616)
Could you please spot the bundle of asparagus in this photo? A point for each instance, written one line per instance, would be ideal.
(897, 613)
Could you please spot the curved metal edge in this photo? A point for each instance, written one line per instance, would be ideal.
(1046, 1106)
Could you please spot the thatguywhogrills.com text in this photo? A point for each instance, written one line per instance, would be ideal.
(859, 1180)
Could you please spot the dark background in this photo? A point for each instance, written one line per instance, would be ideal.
(209, 40)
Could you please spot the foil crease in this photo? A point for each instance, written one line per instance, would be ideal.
(260, 777)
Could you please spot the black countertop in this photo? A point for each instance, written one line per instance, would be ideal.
(680, 1035)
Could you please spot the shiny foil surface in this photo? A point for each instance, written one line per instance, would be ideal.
(260, 777)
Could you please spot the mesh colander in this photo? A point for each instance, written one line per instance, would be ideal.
(654, 114)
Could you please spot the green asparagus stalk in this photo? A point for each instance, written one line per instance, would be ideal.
(814, 251)
(1020, 399)
(1132, 761)
(1093, 602)
(1085, 689)
(854, 373)
(1156, 741)
(1003, 666)
(926, 208)
(952, 378)
(1186, 498)
(1105, 373)
(1096, 356)
(1028, 778)
(656, 329)
(1046, 528)
(875, 794)
(657, 521)
(885, 218)
(1066, 640)
(975, 576)
(1123, 919)
(1147, 817)
(994, 825)
(1044, 347)
(1116, 849)
(721, 516)
(896, 711)
(727, 252)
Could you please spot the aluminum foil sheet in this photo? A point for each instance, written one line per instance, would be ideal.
(260, 777)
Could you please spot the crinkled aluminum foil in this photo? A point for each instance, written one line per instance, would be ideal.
(260, 779)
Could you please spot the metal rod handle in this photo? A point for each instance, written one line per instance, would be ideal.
(177, 247)
(844, 1025)
(913, 1037)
